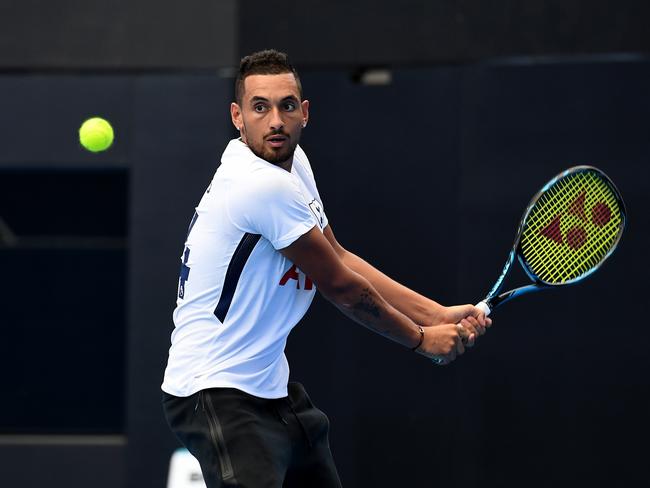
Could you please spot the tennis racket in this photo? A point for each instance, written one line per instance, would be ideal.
(568, 230)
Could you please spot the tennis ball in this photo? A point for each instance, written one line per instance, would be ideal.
(96, 134)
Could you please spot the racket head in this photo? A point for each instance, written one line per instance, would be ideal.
(570, 227)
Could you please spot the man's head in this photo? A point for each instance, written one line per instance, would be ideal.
(269, 112)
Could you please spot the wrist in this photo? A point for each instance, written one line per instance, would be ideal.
(434, 314)
(420, 339)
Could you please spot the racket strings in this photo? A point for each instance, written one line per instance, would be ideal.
(575, 237)
(571, 228)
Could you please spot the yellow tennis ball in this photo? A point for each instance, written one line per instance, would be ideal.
(96, 134)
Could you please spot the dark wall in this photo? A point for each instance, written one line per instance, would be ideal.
(149, 34)
(41, 113)
(63, 252)
(66, 274)
(126, 34)
(79, 462)
(415, 32)
(557, 398)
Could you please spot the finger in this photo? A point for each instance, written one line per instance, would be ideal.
(481, 318)
(460, 347)
(467, 328)
(480, 327)
(475, 323)
(460, 331)
(468, 333)
(488, 322)
(466, 337)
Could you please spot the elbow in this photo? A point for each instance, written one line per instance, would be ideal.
(343, 290)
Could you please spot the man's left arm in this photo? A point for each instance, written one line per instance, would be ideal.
(420, 309)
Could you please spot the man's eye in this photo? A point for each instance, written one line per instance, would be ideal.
(289, 106)
(259, 108)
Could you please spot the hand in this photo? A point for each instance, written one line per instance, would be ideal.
(443, 341)
(473, 319)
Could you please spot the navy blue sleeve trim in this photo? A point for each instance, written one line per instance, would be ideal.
(235, 268)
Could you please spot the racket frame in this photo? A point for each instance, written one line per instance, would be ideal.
(493, 299)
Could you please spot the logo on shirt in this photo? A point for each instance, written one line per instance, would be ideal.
(293, 273)
(317, 210)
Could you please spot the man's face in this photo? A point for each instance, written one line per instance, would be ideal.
(271, 116)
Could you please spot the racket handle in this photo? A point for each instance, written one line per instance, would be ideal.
(484, 307)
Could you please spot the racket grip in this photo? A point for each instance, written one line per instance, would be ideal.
(484, 307)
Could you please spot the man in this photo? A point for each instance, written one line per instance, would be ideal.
(257, 248)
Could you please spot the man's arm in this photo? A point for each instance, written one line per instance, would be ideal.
(357, 298)
(418, 308)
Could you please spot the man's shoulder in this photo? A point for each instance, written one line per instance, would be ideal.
(301, 158)
(300, 155)
(259, 181)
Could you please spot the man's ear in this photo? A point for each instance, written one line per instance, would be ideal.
(236, 116)
(305, 112)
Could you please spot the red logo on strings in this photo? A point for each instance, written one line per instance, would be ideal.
(576, 236)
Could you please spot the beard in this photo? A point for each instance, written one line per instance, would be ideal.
(275, 156)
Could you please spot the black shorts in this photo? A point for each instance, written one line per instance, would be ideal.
(245, 441)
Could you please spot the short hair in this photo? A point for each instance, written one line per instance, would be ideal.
(267, 62)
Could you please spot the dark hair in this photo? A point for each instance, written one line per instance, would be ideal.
(267, 62)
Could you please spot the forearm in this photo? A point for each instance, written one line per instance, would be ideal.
(359, 300)
(418, 308)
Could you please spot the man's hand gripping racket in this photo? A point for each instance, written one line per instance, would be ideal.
(569, 228)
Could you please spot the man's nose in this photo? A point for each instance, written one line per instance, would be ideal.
(276, 119)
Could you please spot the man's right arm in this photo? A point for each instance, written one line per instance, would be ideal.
(357, 298)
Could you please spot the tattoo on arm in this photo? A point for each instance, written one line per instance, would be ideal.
(367, 304)
(370, 311)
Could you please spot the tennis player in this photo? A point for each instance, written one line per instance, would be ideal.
(258, 247)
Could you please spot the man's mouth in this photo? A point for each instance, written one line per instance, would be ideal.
(277, 140)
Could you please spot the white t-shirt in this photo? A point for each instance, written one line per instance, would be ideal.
(238, 297)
